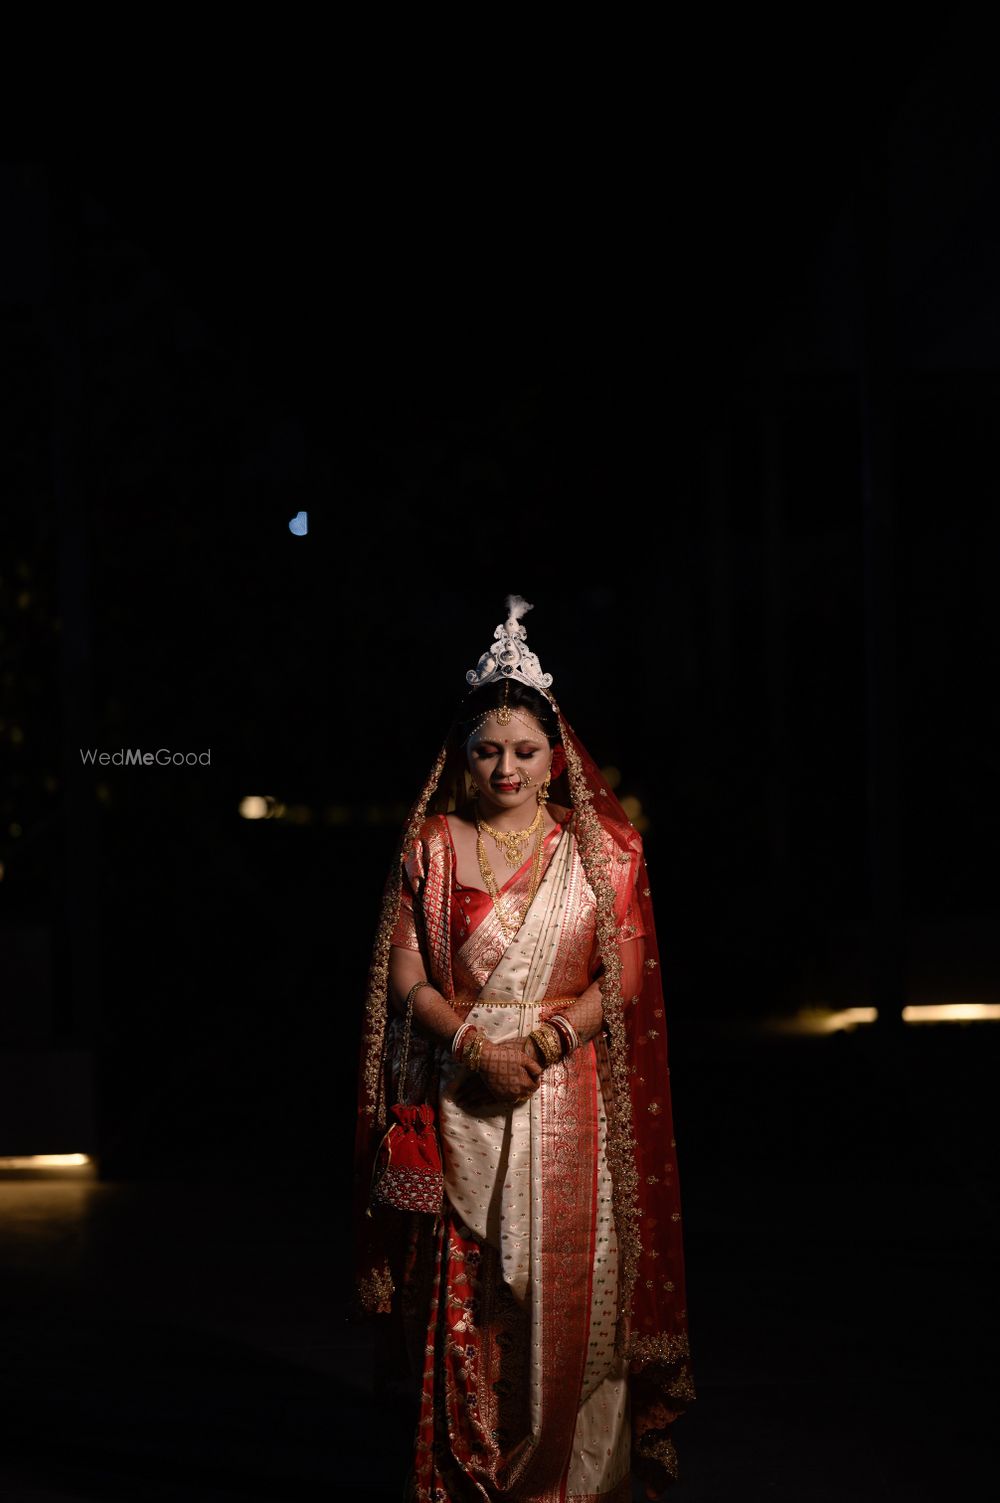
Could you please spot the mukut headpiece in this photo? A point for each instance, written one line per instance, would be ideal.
(508, 656)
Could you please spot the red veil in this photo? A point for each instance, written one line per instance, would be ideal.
(641, 1148)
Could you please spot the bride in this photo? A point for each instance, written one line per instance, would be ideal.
(544, 1302)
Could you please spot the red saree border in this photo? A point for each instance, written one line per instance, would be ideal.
(568, 1118)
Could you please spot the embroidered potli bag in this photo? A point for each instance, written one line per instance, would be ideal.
(408, 1173)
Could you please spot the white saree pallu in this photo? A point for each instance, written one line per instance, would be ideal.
(532, 1180)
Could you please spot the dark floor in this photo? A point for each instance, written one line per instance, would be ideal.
(184, 1342)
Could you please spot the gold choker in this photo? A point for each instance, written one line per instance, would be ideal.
(511, 841)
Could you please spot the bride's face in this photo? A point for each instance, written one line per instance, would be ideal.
(508, 762)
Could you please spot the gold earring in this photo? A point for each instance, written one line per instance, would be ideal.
(543, 792)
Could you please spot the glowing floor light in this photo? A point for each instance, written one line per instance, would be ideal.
(823, 1020)
(819, 1020)
(952, 1012)
(44, 1160)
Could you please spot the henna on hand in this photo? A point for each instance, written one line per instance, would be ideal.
(587, 1012)
(433, 1015)
(506, 1071)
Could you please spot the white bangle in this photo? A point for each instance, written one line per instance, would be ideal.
(459, 1036)
(574, 1036)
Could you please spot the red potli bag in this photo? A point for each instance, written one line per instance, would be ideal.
(408, 1173)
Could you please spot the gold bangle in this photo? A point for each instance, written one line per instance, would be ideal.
(557, 1040)
(550, 1048)
(536, 1038)
(472, 1052)
(554, 1043)
(468, 1044)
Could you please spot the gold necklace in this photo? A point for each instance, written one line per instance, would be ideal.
(491, 882)
(511, 841)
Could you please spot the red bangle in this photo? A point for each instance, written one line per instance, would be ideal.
(560, 1028)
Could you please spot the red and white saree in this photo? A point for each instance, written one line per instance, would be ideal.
(541, 1378)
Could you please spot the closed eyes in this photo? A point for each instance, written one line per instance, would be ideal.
(524, 756)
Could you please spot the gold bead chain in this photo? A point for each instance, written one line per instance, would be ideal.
(490, 881)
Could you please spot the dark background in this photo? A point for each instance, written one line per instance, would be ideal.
(715, 384)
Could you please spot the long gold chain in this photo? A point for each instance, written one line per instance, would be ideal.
(511, 841)
(491, 881)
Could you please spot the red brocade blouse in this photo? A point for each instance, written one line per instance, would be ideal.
(470, 905)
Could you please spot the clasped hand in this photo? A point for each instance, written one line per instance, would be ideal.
(505, 1073)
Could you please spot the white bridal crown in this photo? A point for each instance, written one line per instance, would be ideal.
(508, 655)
